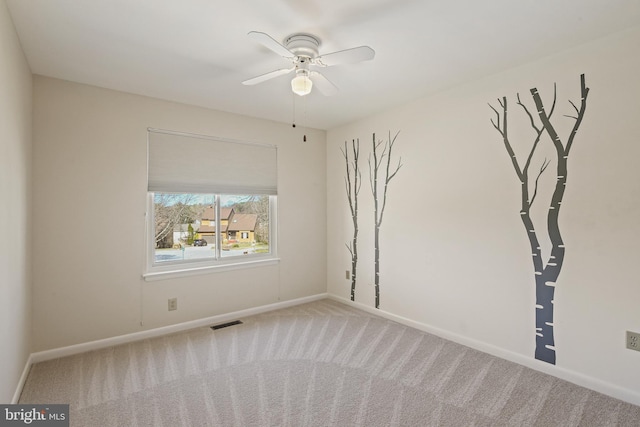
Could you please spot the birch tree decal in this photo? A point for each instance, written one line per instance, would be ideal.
(546, 273)
(352, 184)
(380, 160)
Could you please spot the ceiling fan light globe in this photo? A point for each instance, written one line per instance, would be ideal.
(301, 85)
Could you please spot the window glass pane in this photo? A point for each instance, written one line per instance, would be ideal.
(244, 221)
(184, 227)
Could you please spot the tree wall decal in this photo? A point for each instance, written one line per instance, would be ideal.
(546, 273)
(376, 161)
(352, 184)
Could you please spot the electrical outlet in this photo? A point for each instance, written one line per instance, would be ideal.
(633, 340)
(347, 275)
(173, 304)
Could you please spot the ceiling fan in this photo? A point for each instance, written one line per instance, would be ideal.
(302, 50)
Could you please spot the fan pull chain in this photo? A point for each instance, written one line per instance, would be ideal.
(293, 109)
(304, 114)
(304, 117)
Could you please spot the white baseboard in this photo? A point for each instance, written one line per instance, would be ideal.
(151, 333)
(627, 395)
(23, 379)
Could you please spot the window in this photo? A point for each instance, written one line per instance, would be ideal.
(190, 227)
(197, 220)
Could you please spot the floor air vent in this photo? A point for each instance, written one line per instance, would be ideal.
(225, 325)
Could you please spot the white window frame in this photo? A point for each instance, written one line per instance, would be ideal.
(172, 269)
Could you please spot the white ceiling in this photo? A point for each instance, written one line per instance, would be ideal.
(197, 51)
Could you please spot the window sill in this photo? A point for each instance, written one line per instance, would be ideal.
(185, 271)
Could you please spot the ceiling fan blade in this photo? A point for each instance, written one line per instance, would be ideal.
(267, 76)
(323, 84)
(267, 41)
(348, 56)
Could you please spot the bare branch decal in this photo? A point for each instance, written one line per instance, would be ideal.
(376, 161)
(546, 273)
(352, 184)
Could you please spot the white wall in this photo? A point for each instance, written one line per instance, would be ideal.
(455, 257)
(90, 191)
(15, 210)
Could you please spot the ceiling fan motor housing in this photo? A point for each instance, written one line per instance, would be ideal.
(302, 44)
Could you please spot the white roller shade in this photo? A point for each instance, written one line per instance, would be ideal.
(186, 163)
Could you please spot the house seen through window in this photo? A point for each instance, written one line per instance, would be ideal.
(191, 227)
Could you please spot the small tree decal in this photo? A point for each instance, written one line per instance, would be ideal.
(546, 273)
(376, 161)
(352, 184)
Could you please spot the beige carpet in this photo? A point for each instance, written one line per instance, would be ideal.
(318, 364)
